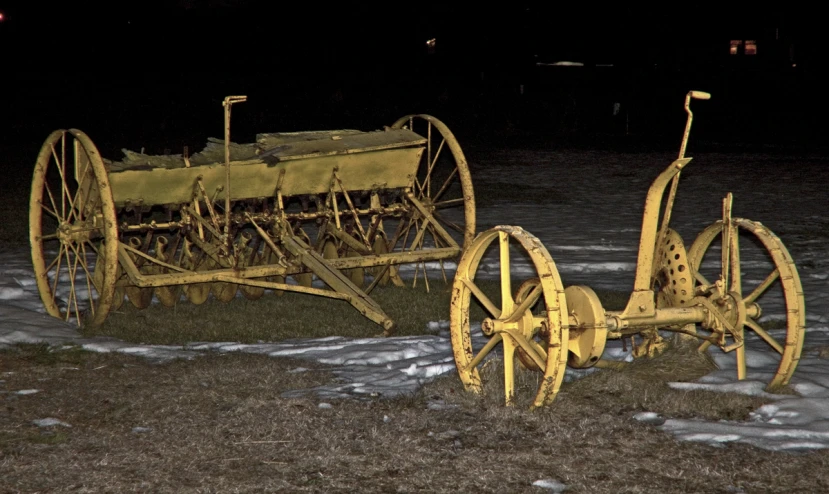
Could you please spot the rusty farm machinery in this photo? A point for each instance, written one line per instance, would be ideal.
(269, 216)
(544, 327)
(273, 215)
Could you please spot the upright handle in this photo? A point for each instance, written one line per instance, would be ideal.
(688, 97)
(227, 103)
(669, 203)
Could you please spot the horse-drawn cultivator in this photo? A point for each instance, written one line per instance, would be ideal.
(267, 216)
(546, 327)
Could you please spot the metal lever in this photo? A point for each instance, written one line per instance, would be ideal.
(227, 103)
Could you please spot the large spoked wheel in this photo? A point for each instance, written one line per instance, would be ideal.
(537, 337)
(72, 229)
(762, 275)
(443, 184)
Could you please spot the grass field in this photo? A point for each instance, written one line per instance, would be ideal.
(219, 423)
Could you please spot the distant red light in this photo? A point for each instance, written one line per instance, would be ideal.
(1, 17)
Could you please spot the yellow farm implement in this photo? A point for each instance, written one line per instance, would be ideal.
(546, 327)
(270, 215)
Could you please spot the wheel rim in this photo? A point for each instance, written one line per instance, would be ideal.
(511, 325)
(445, 188)
(779, 290)
(71, 221)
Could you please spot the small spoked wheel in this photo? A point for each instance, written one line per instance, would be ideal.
(763, 286)
(73, 230)
(529, 323)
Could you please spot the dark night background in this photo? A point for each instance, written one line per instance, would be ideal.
(153, 74)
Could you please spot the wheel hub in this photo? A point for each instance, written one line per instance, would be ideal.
(522, 325)
(74, 233)
(728, 317)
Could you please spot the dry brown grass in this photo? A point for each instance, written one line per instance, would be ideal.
(219, 424)
(274, 318)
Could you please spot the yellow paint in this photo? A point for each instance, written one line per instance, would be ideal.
(230, 224)
(669, 293)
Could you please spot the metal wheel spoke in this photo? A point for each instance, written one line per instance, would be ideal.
(438, 244)
(432, 162)
(449, 202)
(88, 162)
(62, 169)
(51, 212)
(448, 223)
(55, 261)
(406, 235)
(428, 158)
(96, 199)
(496, 338)
(57, 264)
(418, 188)
(80, 259)
(741, 362)
(762, 287)
(701, 279)
(736, 274)
(51, 200)
(73, 208)
(417, 243)
(66, 194)
(446, 184)
(73, 293)
(506, 280)
(764, 335)
(86, 264)
(94, 249)
(64, 190)
(438, 240)
(482, 297)
(530, 347)
(398, 232)
(89, 279)
(539, 350)
(509, 371)
(525, 304)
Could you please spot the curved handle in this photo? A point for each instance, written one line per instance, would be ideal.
(699, 95)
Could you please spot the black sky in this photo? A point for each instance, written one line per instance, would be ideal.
(272, 36)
